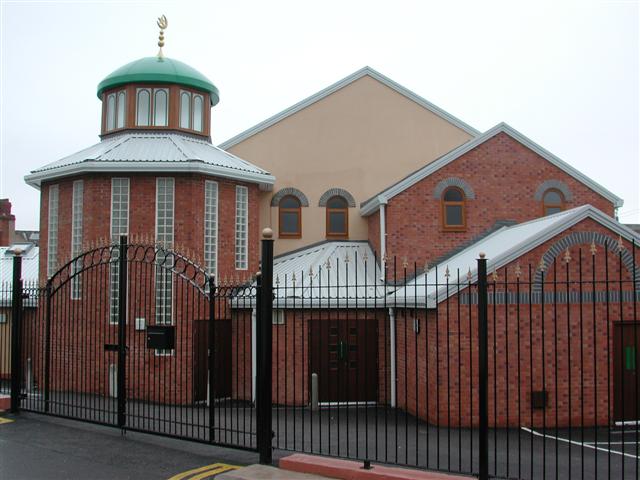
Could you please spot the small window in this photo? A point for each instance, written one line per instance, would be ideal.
(185, 109)
(337, 218)
(552, 202)
(197, 112)
(290, 217)
(160, 108)
(277, 317)
(453, 209)
(143, 108)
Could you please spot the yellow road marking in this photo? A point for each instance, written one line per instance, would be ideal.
(5, 420)
(217, 471)
(204, 472)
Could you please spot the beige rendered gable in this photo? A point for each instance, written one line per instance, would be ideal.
(362, 138)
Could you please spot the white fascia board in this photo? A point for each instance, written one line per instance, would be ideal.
(373, 204)
(337, 86)
(265, 181)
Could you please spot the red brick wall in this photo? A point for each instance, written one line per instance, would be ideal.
(188, 222)
(504, 175)
(574, 346)
(291, 355)
(81, 328)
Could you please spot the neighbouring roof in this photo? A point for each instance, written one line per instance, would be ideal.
(157, 152)
(327, 274)
(365, 71)
(159, 70)
(373, 204)
(501, 248)
(30, 257)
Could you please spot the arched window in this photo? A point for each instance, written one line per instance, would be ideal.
(552, 202)
(121, 109)
(111, 111)
(185, 109)
(160, 109)
(453, 209)
(197, 112)
(290, 217)
(337, 217)
(143, 107)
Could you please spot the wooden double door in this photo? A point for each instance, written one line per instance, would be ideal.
(626, 381)
(343, 353)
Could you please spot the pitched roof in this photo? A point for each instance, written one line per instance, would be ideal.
(327, 274)
(365, 71)
(502, 247)
(370, 206)
(153, 151)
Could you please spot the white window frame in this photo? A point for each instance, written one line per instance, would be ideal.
(194, 97)
(150, 112)
(116, 229)
(242, 228)
(76, 237)
(165, 230)
(278, 316)
(121, 110)
(166, 118)
(211, 227)
(52, 231)
(190, 113)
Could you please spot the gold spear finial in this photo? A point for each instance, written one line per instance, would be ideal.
(162, 24)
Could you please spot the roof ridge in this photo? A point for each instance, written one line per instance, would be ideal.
(334, 87)
(371, 205)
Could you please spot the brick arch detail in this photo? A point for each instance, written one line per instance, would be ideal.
(294, 192)
(454, 182)
(336, 192)
(578, 238)
(558, 185)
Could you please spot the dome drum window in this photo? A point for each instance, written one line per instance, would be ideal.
(152, 107)
(115, 110)
(191, 111)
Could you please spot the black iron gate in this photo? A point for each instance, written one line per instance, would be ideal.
(141, 338)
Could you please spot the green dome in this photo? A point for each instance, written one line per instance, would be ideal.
(159, 70)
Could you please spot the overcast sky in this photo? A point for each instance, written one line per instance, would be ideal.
(566, 74)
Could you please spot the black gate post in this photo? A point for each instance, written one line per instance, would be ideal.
(122, 330)
(16, 333)
(47, 346)
(483, 369)
(264, 346)
(212, 342)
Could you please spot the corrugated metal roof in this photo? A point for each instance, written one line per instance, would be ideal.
(29, 271)
(162, 149)
(500, 248)
(331, 273)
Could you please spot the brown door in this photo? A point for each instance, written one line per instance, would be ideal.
(222, 359)
(626, 381)
(343, 354)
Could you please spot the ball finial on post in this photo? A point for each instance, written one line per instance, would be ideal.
(267, 234)
(483, 255)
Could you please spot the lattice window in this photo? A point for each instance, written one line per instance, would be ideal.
(119, 226)
(76, 237)
(242, 220)
(52, 231)
(164, 237)
(211, 227)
